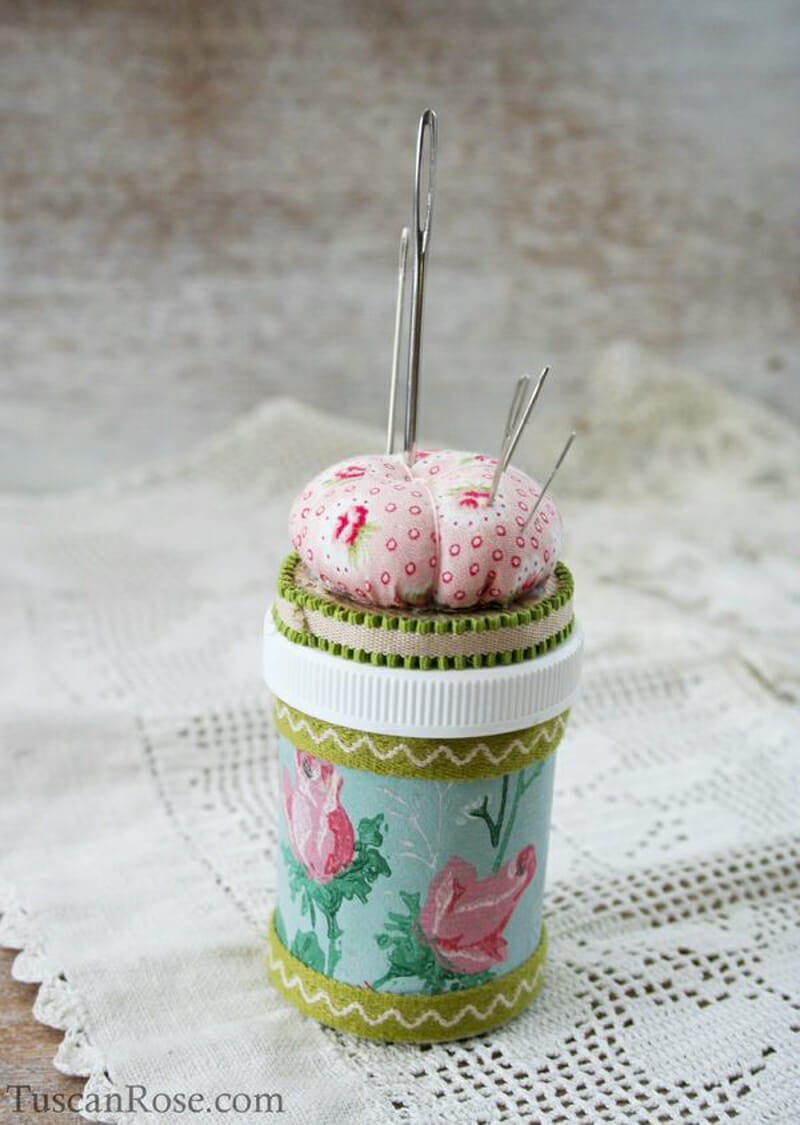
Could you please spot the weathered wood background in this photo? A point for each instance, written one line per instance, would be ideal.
(203, 201)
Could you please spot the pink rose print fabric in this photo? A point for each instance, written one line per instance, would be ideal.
(463, 917)
(320, 831)
(385, 535)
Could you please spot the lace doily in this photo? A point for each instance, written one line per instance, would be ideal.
(137, 812)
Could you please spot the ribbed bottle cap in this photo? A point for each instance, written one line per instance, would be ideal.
(457, 703)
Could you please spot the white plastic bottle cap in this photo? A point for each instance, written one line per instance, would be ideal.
(422, 704)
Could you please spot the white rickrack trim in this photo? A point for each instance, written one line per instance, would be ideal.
(292, 983)
(548, 734)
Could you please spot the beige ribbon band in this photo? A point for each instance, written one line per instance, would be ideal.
(394, 643)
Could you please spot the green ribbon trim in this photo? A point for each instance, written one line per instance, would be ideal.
(457, 759)
(421, 623)
(409, 622)
(404, 1018)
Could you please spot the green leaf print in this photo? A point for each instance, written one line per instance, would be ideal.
(525, 779)
(354, 883)
(410, 957)
(306, 948)
(493, 824)
(356, 549)
(370, 831)
(280, 928)
(501, 824)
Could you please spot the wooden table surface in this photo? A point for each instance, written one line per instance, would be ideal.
(27, 1049)
(202, 203)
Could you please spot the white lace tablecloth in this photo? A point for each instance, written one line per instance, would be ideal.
(138, 801)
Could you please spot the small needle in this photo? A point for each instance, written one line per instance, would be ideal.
(510, 443)
(511, 421)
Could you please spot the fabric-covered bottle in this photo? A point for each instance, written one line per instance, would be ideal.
(417, 751)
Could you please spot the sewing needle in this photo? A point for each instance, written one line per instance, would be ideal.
(549, 480)
(511, 444)
(421, 234)
(402, 274)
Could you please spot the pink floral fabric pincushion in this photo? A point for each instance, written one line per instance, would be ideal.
(386, 535)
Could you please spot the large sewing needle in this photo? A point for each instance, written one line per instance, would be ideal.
(421, 234)
(402, 274)
(549, 480)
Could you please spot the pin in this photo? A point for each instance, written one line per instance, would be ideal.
(402, 274)
(511, 439)
(549, 481)
(421, 235)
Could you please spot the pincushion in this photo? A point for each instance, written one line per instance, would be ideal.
(423, 655)
(384, 534)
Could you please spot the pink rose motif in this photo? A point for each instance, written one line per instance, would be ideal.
(349, 525)
(350, 472)
(463, 917)
(320, 831)
(472, 498)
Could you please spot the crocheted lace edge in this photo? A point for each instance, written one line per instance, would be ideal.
(59, 1005)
